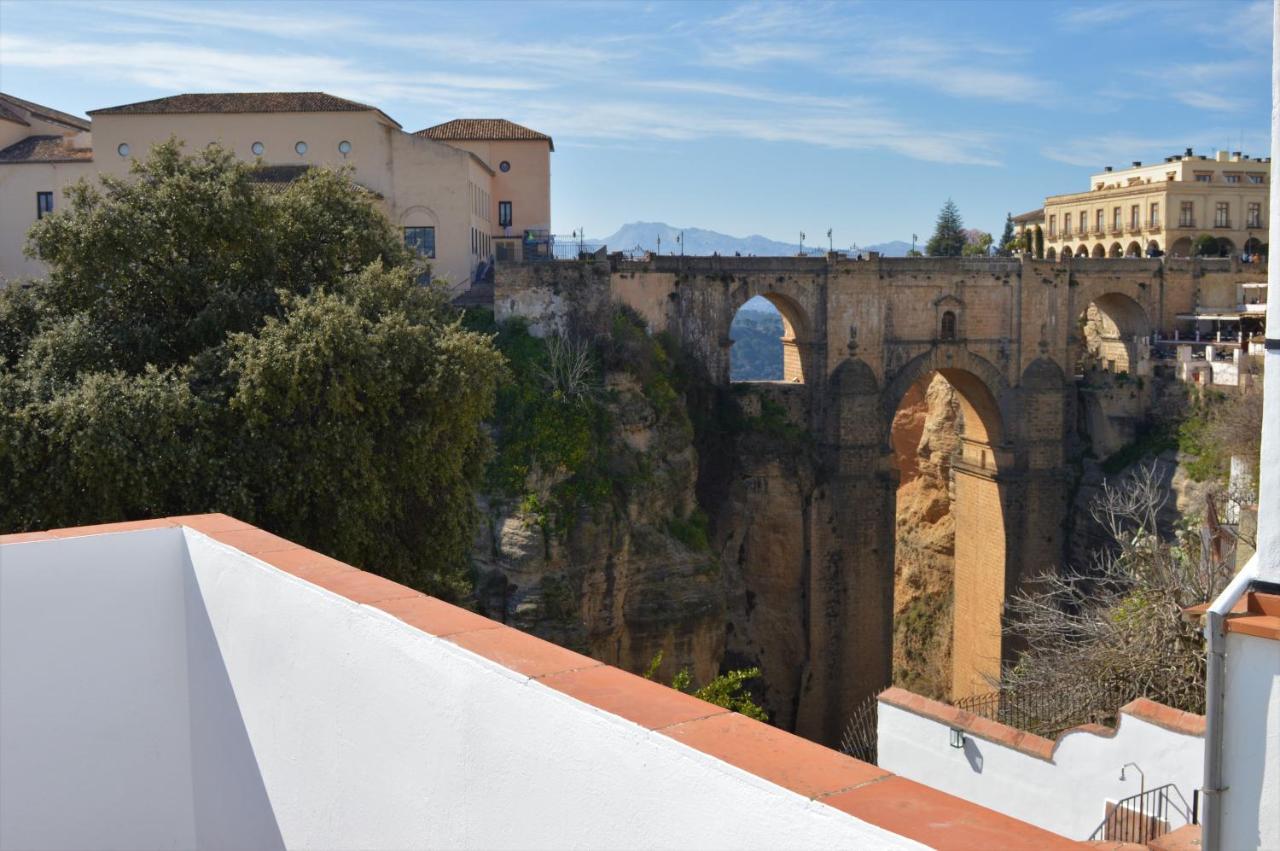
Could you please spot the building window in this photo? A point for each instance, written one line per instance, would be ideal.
(1231, 178)
(1204, 178)
(1221, 215)
(1084, 222)
(1135, 217)
(1256, 178)
(344, 147)
(123, 149)
(1255, 215)
(44, 204)
(504, 214)
(1115, 219)
(1053, 227)
(948, 325)
(422, 241)
(257, 148)
(1187, 215)
(1066, 224)
(301, 148)
(1100, 217)
(1155, 215)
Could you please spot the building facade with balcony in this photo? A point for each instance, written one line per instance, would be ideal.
(450, 190)
(1187, 204)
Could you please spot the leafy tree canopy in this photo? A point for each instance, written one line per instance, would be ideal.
(1007, 245)
(948, 238)
(206, 343)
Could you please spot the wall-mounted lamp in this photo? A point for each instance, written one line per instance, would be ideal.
(957, 737)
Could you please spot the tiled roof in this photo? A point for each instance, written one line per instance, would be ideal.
(44, 112)
(1032, 216)
(44, 149)
(484, 130)
(241, 102)
(8, 113)
(827, 778)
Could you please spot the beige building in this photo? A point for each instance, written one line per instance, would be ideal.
(42, 152)
(450, 189)
(1164, 207)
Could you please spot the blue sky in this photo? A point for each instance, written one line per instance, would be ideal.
(743, 118)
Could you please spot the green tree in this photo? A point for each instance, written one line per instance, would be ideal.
(948, 238)
(1007, 239)
(1206, 245)
(978, 244)
(1039, 239)
(727, 690)
(204, 344)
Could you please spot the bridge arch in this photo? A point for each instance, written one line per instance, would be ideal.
(797, 332)
(979, 506)
(1114, 330)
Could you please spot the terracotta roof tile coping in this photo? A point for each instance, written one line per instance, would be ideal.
(859, 789)
(1030, 744)
(1259, 616)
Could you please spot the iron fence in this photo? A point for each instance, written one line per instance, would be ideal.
(1147, 815)
(1047, 714)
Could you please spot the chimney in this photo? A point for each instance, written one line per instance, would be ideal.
(1108, 168)
(1189, 153)
(1137, 163)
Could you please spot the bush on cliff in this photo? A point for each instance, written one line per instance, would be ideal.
(203, 343)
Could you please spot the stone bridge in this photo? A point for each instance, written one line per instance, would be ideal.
(857, 335)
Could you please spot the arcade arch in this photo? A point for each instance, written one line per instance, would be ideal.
(1099, 252)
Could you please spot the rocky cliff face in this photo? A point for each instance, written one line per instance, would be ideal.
(926, 432)
(621, 580)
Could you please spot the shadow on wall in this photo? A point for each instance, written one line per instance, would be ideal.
(232, 808)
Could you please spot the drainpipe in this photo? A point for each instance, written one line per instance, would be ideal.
(1215, 692)
(1265, 564)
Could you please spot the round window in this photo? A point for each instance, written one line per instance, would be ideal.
(123, 149)
(257, 148)
(301, 148)
(344, 147)
(504, 166)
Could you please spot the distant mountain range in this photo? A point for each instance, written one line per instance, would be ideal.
(700, 241)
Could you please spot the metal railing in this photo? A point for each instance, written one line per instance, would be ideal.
(1045, 714)
(1147, 815)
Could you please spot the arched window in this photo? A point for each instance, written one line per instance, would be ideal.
(948, 325)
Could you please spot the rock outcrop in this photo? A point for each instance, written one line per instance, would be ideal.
(623, 580)
(926, 432)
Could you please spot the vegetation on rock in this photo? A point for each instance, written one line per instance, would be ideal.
(205, 344)
(728, 690)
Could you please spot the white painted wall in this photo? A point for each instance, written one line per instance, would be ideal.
(94, 745)
(371, 734)
(1067, 796)
(162, 690)
(1251, 744)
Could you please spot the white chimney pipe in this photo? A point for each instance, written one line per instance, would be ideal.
(1268, 561)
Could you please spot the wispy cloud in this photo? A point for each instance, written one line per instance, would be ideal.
(172, 67)
(1081, 16)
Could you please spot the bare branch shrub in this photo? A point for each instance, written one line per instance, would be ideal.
(569, 372)
(1098, 637)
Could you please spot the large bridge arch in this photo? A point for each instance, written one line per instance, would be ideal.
(982, 510)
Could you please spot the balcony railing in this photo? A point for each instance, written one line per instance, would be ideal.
(1153, 225)
(1186, 223)
(1225, 224)
(1117, 229)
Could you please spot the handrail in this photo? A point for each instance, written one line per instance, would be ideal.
(1145, 816)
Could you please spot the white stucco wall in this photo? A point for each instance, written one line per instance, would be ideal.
(1251, 744)
(1068, 795)
(94, 745)
(163, 690)
(370, 733)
